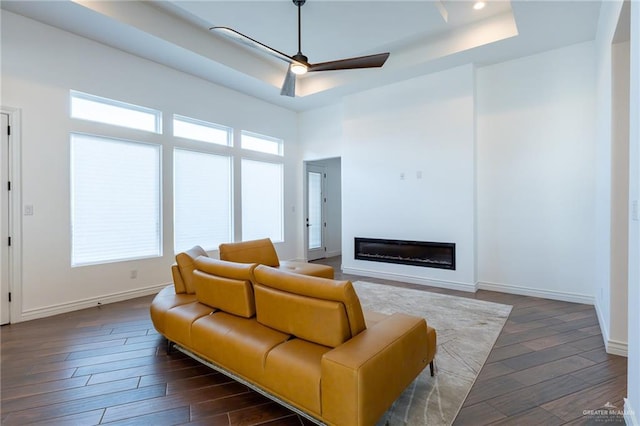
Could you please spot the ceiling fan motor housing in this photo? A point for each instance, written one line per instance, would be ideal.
(300, 58)
(299, 2)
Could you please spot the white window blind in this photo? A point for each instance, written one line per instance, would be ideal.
(115, 200)
(262, 200)
(109, 111)
(202, 200)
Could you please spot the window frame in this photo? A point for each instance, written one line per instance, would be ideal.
(203, 123)
(75, 94)
(278, 141)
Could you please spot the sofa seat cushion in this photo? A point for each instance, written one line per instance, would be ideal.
(293, 372)
(238, 344)
(179, 320)
(225, 285)
(165, 300)
(304, 268)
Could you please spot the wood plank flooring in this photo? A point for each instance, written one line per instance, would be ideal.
(107, 365)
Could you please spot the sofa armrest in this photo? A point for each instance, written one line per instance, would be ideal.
(364, 376)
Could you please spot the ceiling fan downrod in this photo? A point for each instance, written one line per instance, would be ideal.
(299, 56)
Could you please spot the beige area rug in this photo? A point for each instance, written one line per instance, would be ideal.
(467, 330)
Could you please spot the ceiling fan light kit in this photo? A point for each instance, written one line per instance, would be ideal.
(299, 63)
(299, 67)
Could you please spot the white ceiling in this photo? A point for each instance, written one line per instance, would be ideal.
(422, 36)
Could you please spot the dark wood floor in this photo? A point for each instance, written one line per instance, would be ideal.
(107, 365)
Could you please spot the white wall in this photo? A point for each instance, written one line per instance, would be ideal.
(619, 193)
(610, 289)
(320, 132)
(334, 210)
(608, 20)
(528, 127)
(40, 65)
(536, 181)
(320, 136)
(632, 405)
(408, 172)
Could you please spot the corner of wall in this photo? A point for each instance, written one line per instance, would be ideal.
(630, 416)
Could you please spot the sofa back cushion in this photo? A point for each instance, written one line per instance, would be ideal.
(186, 265)
(178, 282)
(319, 310)
(226, 286)
(255, 251)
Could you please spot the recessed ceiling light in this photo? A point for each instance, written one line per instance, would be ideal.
(479, 5)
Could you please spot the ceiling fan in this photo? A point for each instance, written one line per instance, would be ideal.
(299, 63)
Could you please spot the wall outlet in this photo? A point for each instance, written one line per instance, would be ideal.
(634, 210)
(134, 274)
(28, 210)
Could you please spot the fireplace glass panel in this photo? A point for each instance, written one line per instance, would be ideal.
(418, 253)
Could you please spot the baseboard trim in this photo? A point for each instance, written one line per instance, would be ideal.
(630, 417)
(334, 253)
(604, 326)
(545, 294)
(91, 302)
(451, 285)
(615, 347)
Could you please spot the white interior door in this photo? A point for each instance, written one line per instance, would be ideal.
(315, 221)
(4, 222)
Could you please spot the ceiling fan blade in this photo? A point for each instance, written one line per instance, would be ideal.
(254, 44)
(369, 61)
(289, 84)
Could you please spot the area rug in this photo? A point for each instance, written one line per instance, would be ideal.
(467, 330)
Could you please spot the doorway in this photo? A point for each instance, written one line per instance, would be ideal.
(315, 221)
(323, 208)
(10, 220)
(5, 316)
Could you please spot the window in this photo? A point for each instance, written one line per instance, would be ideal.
(260, 143)
(262, 200)
(190, 128)
(103, 110)
(202, 199)
(115, 200)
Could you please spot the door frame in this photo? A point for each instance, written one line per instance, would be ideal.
(14, 212)
(321, 169)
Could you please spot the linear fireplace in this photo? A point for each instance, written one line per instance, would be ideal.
(419, 253)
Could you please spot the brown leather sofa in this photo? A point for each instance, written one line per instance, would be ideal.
(302, 340)
(264, 253)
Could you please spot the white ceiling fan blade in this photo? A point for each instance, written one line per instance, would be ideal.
(289, 84)
(254, 44)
